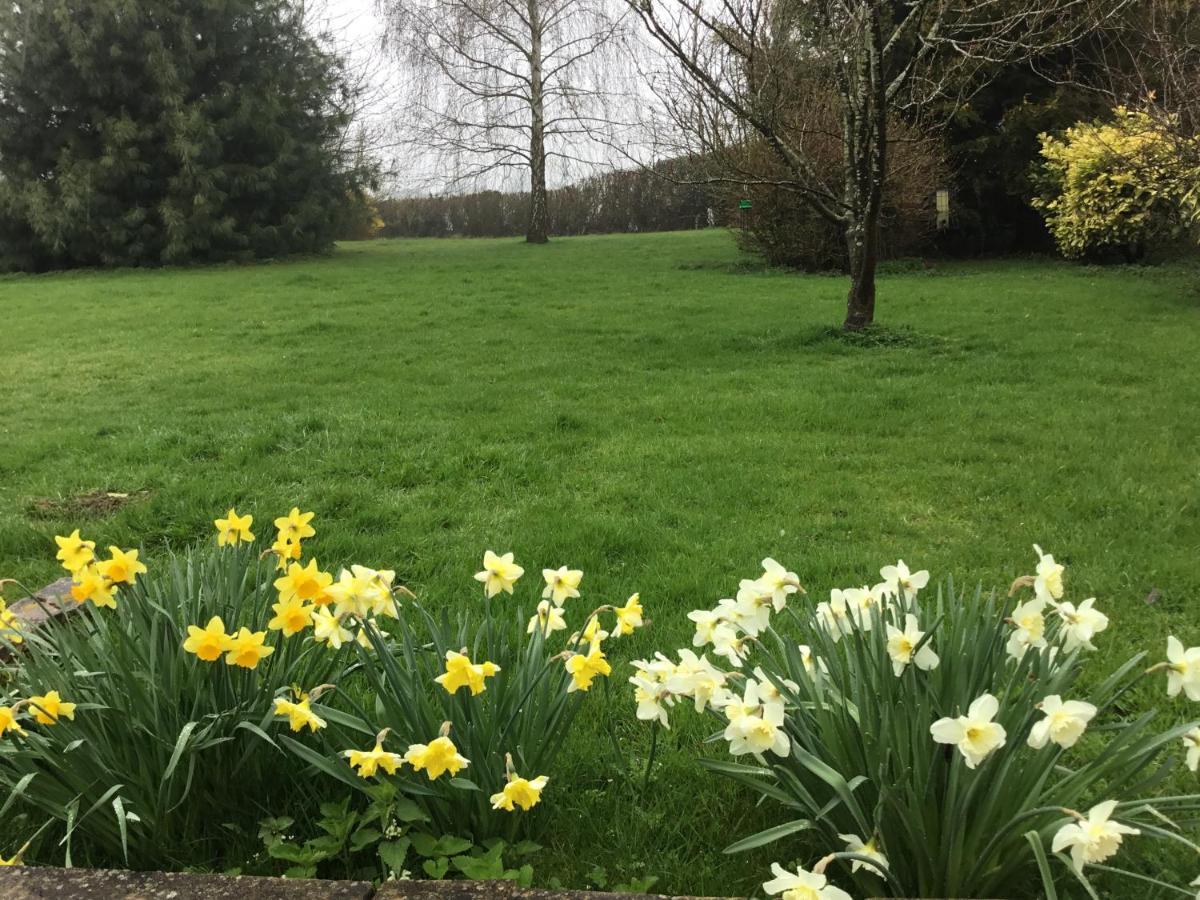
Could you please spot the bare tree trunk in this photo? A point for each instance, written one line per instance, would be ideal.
(862, 240)
(539, 216)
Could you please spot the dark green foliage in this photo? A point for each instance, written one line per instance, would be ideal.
(144, 132)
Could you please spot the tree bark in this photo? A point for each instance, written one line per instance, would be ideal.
(862, 241)
(539, 216)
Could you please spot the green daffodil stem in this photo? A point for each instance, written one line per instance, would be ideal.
(650, 758)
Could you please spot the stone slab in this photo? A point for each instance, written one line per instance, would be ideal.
(30, 883)
(50, 602)
(492, 890)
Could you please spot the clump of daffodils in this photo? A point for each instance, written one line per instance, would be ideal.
(454, 700)
(936, 726)
(95, 579)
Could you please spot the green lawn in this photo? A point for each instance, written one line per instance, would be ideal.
(653, 409)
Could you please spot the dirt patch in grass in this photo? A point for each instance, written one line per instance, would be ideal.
(95, 504)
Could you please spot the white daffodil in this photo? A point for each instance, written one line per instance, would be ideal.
(731, 645)
(1183, 669)
(1063, 724)
(1191, 741)
(1048, 583)
(755, 724)
(767, 689)
(1081, 624)
(699, 679)
(752, 610)
(779, 582)
(809, 661)
(650, 689)
(975, 734)
(348, 596)
(1092, 839)
(706, 622)
(375, 590)
(547, 619)
(1030, 628)
(855, 844)
(901, 644)
(834, 616)
(860, 602)
(802, 885)
(899, 579)
(562, 584)
(327, 629)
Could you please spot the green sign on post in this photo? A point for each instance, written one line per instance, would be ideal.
(745, 204)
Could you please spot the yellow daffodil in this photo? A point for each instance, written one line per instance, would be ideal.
(91, 585)
(368, 762)
(294, 527)
(548, 619)
(246, 649)
(629, 616)
(364, 592)
(327, 629)
(8, 721)
(461, 672)
(209, 642)
(74, 552)
(975, 734)
(1064, 723)
(291, 616)
(17, 859)
(10, 625)
(234, 528)
(519, 792)
(122, 566)
(583, 668)
(561, 584)
(1094, 837)
(592, 633)
(305, 583)
(50, 707)
(438, 756)
(298, 713)
(499, 573)
(285, 550)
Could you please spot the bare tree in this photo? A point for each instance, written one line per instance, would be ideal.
(502, 86)
(1150, 59)
(771, 70)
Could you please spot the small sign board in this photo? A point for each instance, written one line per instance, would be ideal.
(745, 204)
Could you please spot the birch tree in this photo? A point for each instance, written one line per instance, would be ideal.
(499, 87)
(735, 69)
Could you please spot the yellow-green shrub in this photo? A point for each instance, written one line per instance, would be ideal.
(1116, 187)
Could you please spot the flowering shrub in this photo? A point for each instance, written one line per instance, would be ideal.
(464, 715)
(936, 746)
(136, 725)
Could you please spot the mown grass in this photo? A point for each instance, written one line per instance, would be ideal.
(648, 408)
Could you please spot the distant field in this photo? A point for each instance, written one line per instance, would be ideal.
(655, 410)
